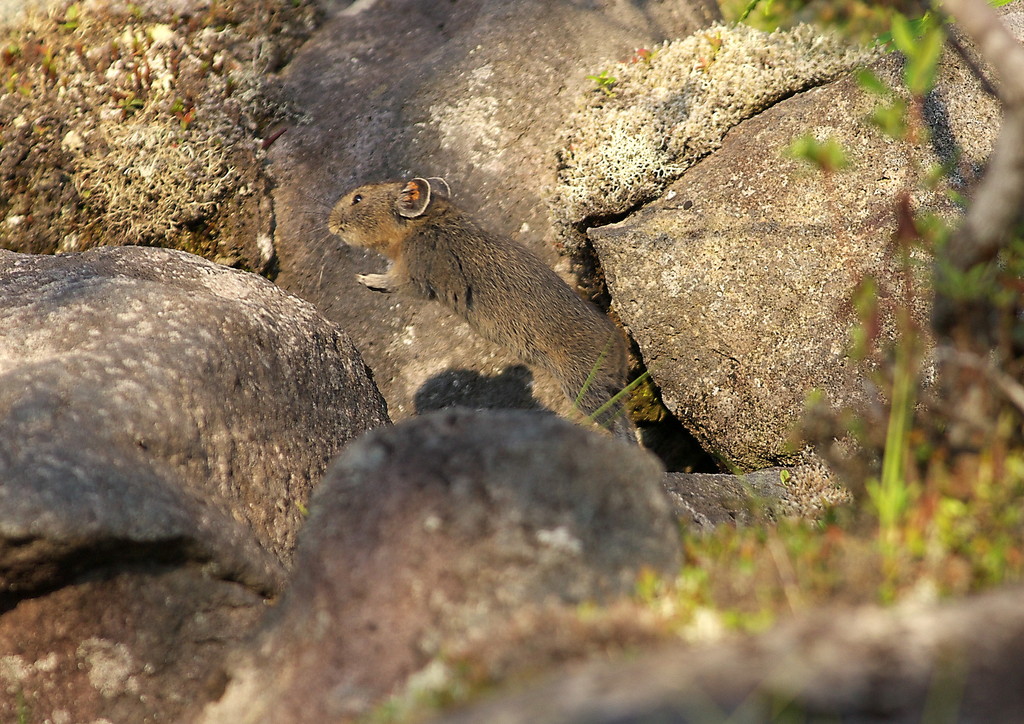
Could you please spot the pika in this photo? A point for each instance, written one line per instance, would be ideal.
(505, 292)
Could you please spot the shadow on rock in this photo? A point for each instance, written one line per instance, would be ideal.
(512, 389)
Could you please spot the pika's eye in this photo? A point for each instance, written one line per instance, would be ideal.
(356, 199)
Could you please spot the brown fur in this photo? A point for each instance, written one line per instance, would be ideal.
(505, 292)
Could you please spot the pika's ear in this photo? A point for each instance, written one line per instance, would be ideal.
(414, 198)
(439, 187)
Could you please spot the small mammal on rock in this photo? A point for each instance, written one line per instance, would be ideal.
(505, 292)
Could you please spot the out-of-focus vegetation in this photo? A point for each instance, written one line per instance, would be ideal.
(939, 493)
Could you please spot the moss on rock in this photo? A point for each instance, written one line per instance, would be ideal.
(141, 124)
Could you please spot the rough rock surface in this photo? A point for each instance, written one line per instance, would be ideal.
(433, 534)
(737, 283)
(706, 500)
(959, 662)
(162, 419)
(703, 501)
(474, 91)
(127, 643)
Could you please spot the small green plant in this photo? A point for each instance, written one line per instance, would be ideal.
(130, 103)
(865, 21)
(24, 716)
(589, 381)
(10, 53)
(72, 17)
(618, 397)
(49, 62)
(827, 155)
(920, 41)
(649, 586)
(605, 82)
(184, 112)
(715, 41)
(891, 495)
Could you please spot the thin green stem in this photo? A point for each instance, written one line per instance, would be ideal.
(618, 396)
(593, 372)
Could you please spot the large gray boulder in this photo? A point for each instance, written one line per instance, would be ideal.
(436, 535)
(162, 422)
(474, 91)
(737, 282)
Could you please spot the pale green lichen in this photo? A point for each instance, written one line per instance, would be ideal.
(674, 106)
(110, 666)
(151, 179)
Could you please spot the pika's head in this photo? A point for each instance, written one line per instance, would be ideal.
(378, 216)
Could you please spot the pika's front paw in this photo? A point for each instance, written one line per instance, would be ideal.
(376, 282)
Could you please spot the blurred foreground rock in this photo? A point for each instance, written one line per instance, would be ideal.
(957, 662)
(431, 537)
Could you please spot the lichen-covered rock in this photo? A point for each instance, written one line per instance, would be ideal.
(434, 534)
(474, 91)
(737, 283)
(673, 105)
(162, 421)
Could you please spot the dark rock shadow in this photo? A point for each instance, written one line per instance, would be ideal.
(512, 389)
(678, 449)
